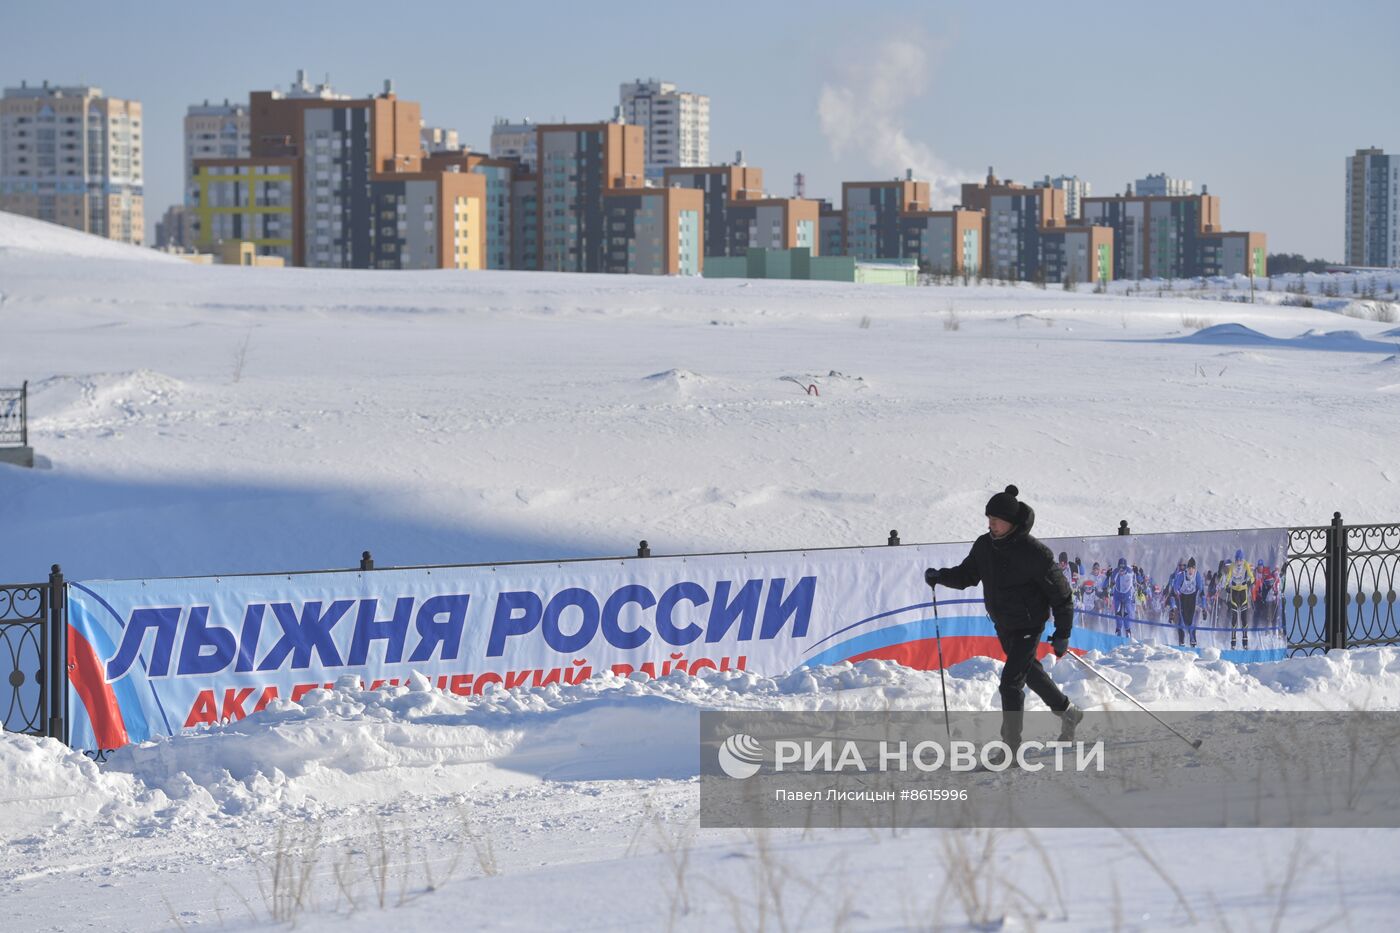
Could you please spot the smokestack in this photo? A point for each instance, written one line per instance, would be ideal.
(738, 157)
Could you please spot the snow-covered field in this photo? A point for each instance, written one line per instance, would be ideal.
(197, 420)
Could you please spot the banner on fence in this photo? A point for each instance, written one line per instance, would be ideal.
(155, 657)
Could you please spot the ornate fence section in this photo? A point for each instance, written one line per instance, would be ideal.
(32, 626)
(1340, 586)
(1304, 582)
(14, 417)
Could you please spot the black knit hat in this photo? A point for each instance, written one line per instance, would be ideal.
(1005, 507)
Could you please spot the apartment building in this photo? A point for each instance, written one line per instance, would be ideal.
(73, 156)
(653, 231)
(1076, 254)
(1075, 189)
(515, 141)
(439, 139)
(499, 221)
(525, 211)
(771, 223)
(944, 242)
(340, 144)
(871, 215)
(212, 131)
(677, 124)
(1372, 209)
(246, 199)
(831, 229)
(429, 220)
(336, 182)
(1156, 237)
(1162, 185)
(578, 164)
(1015, 218)
(721, 186)
(1234, 253)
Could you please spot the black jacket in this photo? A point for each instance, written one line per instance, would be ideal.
(1020, 581)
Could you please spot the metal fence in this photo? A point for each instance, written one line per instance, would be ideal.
(1339, 586)
(1339, 591)
(14, 417)
(33, 654)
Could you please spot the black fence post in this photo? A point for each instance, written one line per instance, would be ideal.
(58, 656)
(24, 414)
(1335, 573)
(1123, 527)
(894, 538)
(366, 561)
(643, 549)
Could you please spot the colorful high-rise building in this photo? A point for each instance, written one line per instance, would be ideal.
(871, 211)
(721, 185)
(943, 242)
(654, 231)
(336, 182)
(73, 156)
(772, 223)
(1015, 218)
(578, 164)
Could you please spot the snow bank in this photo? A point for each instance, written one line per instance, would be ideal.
(351, 746)
(44, 784)
(1344, 341)
(70, 401)
(37, 236)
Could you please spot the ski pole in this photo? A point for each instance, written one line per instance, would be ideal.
(1194, 743)
(943, 683)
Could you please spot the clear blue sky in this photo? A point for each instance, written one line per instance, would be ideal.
(1260, 101)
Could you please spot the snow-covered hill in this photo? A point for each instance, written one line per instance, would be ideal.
(218, 419)
(25, 235)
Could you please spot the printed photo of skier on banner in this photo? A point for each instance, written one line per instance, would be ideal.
(1207, 590)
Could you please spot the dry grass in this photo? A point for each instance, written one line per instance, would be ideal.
(292, 874)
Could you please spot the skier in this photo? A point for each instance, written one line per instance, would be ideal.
(1123, 585)
(1185, 585)
(1021, 586)
(1237, 580)
(1066, 568)
(1268, 596)
(1209, 611)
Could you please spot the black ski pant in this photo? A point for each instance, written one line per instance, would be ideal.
(1023, 670)
(1186, 617)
